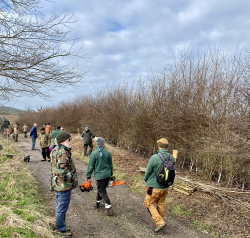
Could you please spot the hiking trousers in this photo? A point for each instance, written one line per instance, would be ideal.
(33, 143)
(62, 201)
(45, 152)
(86, 147)
(156, 205)
(102, 191)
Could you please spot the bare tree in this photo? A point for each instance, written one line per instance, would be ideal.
(33, 51)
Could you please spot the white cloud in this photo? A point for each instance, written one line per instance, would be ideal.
(126, 38)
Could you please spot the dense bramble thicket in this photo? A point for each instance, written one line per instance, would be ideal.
(200, 104)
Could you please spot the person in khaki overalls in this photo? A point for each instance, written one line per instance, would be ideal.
(16, 132)
(45, 140)
(156, 195)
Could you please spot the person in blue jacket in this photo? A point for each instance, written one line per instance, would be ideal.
(33, 134)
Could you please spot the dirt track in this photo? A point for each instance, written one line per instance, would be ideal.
(131, 218)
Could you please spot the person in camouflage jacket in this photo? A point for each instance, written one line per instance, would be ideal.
(45, 140)
(64, 178)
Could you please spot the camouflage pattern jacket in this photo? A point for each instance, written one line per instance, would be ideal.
(45, 139)
(64, 175)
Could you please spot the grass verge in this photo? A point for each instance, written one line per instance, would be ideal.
(22, 210)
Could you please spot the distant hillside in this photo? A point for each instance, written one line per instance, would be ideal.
(9, 111)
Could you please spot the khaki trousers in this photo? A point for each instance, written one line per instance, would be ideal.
(157, 212)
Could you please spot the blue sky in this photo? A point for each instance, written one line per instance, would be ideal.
(127, 38)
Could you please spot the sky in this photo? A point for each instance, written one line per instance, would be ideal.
(126, 39)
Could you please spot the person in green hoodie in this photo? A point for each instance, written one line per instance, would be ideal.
(54, 135)
(101, 163)
(155, 193)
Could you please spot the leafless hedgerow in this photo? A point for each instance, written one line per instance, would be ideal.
(197, 103)
(35, 52)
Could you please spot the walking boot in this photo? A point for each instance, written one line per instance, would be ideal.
(109, 211)
(158, 228)
(66, 233)
(97, 204)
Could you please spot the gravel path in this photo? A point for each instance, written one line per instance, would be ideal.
(131, 218)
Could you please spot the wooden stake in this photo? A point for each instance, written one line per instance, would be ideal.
(219, 178)
(175, 154)
(7, 141)
(183, 164)
(191, 165)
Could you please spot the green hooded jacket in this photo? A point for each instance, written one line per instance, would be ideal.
(153, 168)
(64, 176)
(102, 165)
(54, 134)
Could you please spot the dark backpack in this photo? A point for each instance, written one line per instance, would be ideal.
(167, 173)
(26, 158)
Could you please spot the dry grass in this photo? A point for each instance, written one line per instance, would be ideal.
(22, 210)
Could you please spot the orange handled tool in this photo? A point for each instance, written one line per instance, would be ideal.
(86, 186)
(113, 183)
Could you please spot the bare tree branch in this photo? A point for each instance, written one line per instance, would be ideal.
(34, 51)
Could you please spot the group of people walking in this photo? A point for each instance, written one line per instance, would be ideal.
(64, 175)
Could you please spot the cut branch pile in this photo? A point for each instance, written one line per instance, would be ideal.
(142, 170)
(230, 196)
(184, 188)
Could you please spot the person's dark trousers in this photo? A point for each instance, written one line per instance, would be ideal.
(33, 143)
(102, 191)
(45, 152)
(86, 148)
(16, 138)
(62, 200)
(25, 134)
